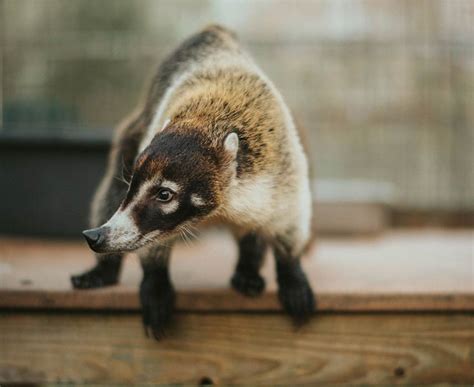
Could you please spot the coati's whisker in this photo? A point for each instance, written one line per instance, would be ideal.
(124, 167)
(122, 180)
(189, 232)
(188, 236)
(184, 238)
(194, 230)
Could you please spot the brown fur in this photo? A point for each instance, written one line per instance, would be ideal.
(216, 136)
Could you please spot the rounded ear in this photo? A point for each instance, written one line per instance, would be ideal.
(231, 144)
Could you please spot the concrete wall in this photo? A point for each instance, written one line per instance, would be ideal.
(385, 86)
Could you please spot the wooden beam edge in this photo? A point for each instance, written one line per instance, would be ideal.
(227, 301)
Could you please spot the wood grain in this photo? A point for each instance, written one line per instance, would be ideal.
(430, 270)
(238, 349)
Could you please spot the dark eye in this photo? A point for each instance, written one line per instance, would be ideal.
(164, 195)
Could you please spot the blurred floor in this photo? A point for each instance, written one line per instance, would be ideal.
(397, 270)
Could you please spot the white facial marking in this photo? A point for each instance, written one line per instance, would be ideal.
(197, 201)
(124, 231)
(170, 207)
(152, 234)
(123, 228)
(171, 185)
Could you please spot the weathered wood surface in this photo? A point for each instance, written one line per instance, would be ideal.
(429, 270)
(235, 349)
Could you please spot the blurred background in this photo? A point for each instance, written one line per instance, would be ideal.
(385, 88)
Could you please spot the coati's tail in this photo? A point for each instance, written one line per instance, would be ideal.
(304, 135)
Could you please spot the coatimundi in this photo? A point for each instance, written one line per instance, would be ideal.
(213, 141)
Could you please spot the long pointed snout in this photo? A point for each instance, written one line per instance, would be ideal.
(96, 237)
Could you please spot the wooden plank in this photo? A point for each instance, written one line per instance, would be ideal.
(230, 301)
(430, 270)
(432, 218)
(238, 349)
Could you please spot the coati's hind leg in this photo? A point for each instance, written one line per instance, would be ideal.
(294, 290)
(157, 295)
(247, 279)
(109, 195)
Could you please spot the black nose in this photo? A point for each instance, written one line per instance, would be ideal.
(94, 237)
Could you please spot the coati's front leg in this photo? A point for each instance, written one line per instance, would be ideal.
(105, 273)
(294, 289)
(157, 295)
(247, 279)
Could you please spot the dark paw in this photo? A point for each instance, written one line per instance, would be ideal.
(103, 274)
(297, 300)
(157, 299)
(249, 284)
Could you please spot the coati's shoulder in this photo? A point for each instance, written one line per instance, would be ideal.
(211, 39)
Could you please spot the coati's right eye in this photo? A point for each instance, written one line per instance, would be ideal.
(164, 195)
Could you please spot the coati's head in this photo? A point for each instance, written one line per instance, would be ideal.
(177, 180)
